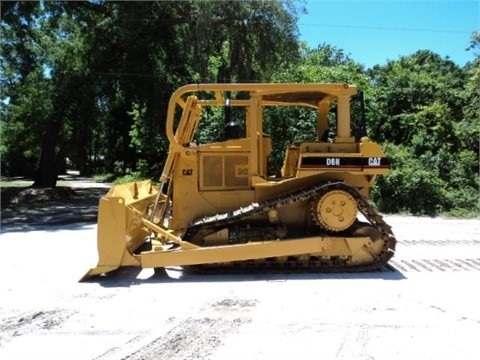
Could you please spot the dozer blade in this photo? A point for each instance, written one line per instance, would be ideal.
(120, 229)
(96, 271)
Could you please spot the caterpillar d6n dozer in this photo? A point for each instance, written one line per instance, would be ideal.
(218, 204)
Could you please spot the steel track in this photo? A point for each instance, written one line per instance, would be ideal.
(313, 263)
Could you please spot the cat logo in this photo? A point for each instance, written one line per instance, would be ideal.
(241, 171)
(187, 172)
(374, 161)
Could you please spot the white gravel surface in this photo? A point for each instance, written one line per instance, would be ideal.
(427, 307)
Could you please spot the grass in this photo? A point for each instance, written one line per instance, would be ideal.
(15, 182)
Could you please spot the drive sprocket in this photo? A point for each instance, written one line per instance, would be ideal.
(334, 210)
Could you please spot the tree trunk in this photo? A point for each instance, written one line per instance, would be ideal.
(47, 170)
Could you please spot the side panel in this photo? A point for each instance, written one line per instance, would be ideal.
(224, 171)
(187, 204)
(207, 183)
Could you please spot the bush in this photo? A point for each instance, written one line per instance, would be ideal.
(414, 190)
(428, 184)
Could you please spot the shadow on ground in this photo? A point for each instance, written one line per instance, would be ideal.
(131, 276)
(25, 208)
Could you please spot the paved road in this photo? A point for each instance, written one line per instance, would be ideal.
(426, 307)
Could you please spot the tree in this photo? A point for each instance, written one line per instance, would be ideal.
(75, 74)
(244, 41)
(42, 68)
(326, 63)
(420, 109)
(26, 90)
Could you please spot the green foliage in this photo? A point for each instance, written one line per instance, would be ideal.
(426, 107)
(90, 82)
(323, 64)
(31, 101)
(104, 177)
(242, 41)
(130, 177)
(417, 185)
(285, 126)
(410, 186)
(211, 126)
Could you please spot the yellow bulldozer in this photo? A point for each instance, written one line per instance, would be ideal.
(218, 203)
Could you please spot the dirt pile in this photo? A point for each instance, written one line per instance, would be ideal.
(20, 195)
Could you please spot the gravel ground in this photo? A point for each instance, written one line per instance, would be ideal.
(424, 307)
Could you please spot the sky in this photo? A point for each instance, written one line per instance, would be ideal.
(373, 32)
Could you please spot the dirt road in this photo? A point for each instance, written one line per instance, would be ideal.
(426, 307)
